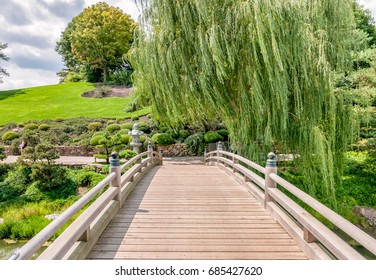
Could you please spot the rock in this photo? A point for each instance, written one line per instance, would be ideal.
(366, 212)
(52, 216)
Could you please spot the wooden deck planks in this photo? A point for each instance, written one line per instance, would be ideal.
(193, 212)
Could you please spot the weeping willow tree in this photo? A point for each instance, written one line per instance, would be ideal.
(264, 67)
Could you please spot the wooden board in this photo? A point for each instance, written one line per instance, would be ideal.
(193, 212)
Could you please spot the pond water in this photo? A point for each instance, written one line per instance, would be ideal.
(7, 249)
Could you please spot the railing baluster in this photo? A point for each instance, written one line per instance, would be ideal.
(271, 167)
(115, 167)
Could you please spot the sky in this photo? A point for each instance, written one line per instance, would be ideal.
(31, 29)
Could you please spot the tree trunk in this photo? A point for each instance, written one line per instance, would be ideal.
(105, 72)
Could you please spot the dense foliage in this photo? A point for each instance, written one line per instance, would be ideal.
(97, 39)
(264, 67)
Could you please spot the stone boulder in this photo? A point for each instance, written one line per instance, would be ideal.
(366, 212)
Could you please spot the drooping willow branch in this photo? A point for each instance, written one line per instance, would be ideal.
(262, 66)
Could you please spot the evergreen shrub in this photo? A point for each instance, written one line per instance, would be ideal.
(9, 136)
(162, 139)
(195, 144)
(212, 137)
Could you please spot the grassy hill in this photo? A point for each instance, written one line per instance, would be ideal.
(62, 100)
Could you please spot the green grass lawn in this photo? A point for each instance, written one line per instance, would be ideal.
(63, 101)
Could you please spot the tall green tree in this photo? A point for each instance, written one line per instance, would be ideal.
(98, 38)
(3, 72)
(263, 66)
(365, 22)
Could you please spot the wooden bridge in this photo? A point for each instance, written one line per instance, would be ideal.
(227, 208)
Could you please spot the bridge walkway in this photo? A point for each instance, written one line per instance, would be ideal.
(193, 211)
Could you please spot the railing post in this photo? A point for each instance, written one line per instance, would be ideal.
(115, 167)
(160, 153)
(219, 149)
(150, 151)
(271, 167)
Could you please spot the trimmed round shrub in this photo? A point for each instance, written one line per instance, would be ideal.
(123, 131)
(44, 127)
(125, 139)
(99, 133)
(59, 120)
(223, 133)
(162, 139)
(31, 126)
(127, 126)
(96, 140)
(143, 126)
(127, 154)
(95, 126)
(9, 136)
(113, 127)
(120, 119)
(184, 133)
(142, 138)
(110, 122)
(195, 144)
(212, 137)
(135, 118)
(21, 125)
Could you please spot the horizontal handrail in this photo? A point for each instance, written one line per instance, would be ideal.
(45, 234)
(271, 195)
(82, 224)
(357, 234)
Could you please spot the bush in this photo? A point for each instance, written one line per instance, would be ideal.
(33, 193)
(95, 126)
(143, 126)
(184, 133)
(123, 131)
(44, 127)
(128, 126)
(223, 133)
(58, 119)
(195, 144)
(162, 139)
(21, 125)
(113, 127)
(74, 77)
(99, 133)
(32, 126)
(212, 137)
(9, 136)
(127, 154)
(125, 139)
(53, 180)
(96, 140)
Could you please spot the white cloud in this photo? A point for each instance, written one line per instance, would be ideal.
(32, 29)
(369, 4)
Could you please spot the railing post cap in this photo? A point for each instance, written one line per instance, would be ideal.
(114, 160)
(272, 160)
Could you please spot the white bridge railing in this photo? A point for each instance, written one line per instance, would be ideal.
(315, 239)
(79, 237)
